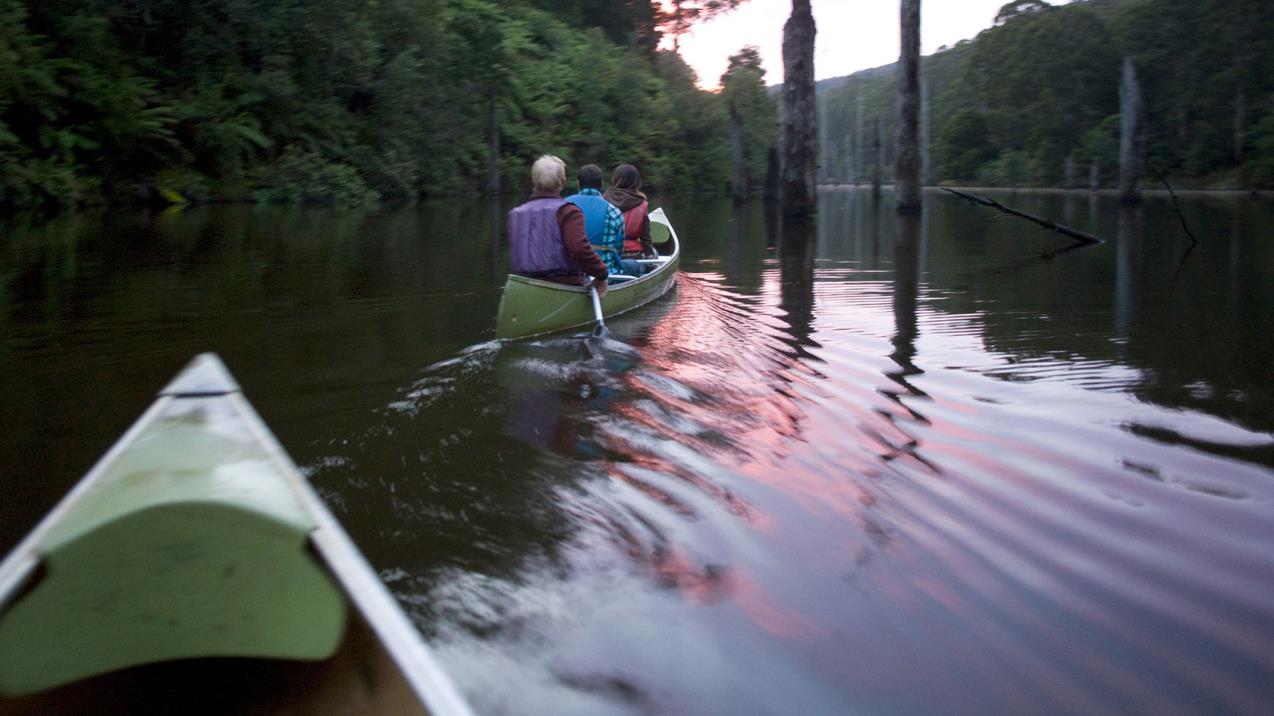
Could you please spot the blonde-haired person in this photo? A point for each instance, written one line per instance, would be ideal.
(546, 234)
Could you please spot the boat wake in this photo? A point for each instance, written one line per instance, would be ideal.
(735, 483)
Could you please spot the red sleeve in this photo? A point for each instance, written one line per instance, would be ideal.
(571, 221)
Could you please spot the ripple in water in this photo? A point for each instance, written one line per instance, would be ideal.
(832, 494)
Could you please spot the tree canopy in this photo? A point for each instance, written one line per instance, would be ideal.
(340, 101)
(1013, 105)
(744, 93)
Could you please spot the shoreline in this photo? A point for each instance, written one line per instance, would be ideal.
(1157, 191)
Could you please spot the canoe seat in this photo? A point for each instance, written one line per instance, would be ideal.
(659, 232)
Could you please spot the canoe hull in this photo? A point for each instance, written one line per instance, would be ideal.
(531, 307)
(196, 549)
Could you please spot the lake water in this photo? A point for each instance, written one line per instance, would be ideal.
(876, 465)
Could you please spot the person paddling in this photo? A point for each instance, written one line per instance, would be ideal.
(547, 239)
(625, 193)
(603, 222)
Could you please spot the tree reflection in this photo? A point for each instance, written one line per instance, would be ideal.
(1126, 260)
(906, 291)
(908, 244)
(796, 280)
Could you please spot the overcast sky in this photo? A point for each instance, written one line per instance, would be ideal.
(852, 34)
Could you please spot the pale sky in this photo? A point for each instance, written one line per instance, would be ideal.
(852, 34)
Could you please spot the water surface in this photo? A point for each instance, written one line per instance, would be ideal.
(877, 465)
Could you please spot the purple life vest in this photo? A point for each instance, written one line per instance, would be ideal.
(535, 239)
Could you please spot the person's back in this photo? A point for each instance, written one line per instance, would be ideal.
(535, 238)
(603, 223)
(546, 234)
(625, 193)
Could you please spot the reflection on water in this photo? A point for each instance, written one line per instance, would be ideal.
(879, 464)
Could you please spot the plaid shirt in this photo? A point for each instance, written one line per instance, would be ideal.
(612, 243)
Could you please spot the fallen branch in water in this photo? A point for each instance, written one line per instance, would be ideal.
(1049, 224)
(1176, 205)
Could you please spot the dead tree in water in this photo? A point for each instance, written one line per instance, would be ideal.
(926, 143)
(859, 147)
(850, 176)
(799, 137)
(772, 172)
(877, 158)
(738, 187)
(1079, 236)
(1240, 135)
(907, 139)
(1130, 136)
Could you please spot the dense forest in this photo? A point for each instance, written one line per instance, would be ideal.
(1034, 100)
(349, 101)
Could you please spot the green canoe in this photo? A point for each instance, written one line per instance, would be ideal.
(531, 306)
(194, 570)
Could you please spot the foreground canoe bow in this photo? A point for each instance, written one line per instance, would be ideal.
(532, 306)
(194, 570)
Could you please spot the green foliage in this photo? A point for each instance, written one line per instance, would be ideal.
(677, 17)
(1262, 165)
(743, 90)
(1045, 81)
(965, 145)
(339, 101)
(1101, 145)
(302, 176)
(695, 122)
(1010, 168)
(1018, 8)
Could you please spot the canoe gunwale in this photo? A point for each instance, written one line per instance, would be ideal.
(334, 552)
(17, 562)
(673, 259)
(366, 593)
(17, 579)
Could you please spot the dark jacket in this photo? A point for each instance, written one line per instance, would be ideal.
(627, 199)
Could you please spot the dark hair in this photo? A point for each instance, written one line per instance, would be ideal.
(590, 177)
(626, 176)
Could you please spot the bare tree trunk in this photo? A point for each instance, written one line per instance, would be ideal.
(772, 173)
(737, 186)
(907, 139)
(1240, 126)
(1094, 176)
(799, 139)
(824, 143)
(878, 159)
(493, 171)
(859, 145)
(1130, 136)
(1068, 172)
(926, 146)
(848, 154)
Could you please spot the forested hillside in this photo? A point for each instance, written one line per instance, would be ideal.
(341, 101)
(1039, 93)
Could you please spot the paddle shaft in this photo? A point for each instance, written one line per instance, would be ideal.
(597, 305)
